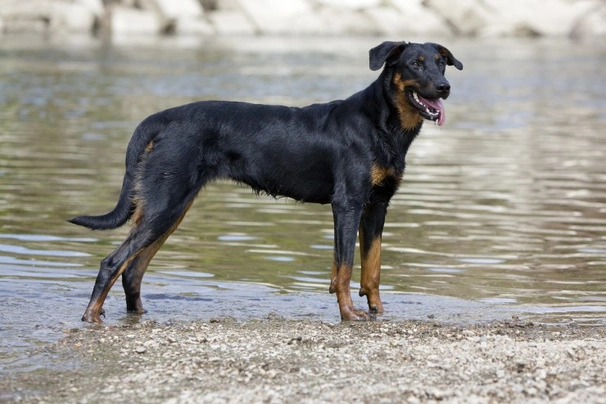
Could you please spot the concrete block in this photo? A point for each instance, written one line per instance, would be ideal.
(131, 21)
(281, 16)
(592, 23)
(492, 18)
(343, 21)
(26, 10)
(393, 21)
(350, 4)
(95, 6)
(418, 19)
(174, 9)
(535, 17)
(231, 22)
(467, 17)
(74, 17)
(193, 26)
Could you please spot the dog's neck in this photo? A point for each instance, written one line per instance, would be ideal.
(393, 140)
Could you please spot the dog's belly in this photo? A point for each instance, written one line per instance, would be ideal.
(303, 184)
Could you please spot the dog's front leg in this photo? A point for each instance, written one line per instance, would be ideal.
(346, 219)
(371, 229)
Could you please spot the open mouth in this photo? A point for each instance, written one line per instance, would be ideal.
(432, 110)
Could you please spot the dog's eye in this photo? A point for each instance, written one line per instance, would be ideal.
(416, 64)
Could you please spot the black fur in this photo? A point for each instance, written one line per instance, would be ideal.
(349, 153)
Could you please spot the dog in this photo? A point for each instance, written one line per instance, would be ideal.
(347, 153)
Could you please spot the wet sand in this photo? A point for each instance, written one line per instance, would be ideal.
(277, 360)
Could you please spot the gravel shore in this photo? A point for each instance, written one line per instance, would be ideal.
(277, 360)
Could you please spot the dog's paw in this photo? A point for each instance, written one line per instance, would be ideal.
(351, 314)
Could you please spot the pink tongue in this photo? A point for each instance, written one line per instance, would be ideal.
(438, 106)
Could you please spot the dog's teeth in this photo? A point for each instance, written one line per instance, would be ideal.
(416, 97)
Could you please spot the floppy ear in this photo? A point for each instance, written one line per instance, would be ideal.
(388, 53)
(450, 59)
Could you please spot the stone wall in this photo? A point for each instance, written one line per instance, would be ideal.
(481, 18)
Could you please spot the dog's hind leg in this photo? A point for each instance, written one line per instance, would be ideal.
(133, 275)
(371, 228)
(146, 237)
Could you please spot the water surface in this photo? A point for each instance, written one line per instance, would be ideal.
(501, 212)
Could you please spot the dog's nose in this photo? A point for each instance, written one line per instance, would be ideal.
(443, 88)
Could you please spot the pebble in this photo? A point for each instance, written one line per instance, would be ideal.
(279, 360)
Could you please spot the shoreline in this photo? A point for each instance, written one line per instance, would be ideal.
(278, 360)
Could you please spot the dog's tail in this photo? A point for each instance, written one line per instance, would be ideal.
(117, 217)
(142, 138)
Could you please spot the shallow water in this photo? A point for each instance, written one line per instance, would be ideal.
(501, 212)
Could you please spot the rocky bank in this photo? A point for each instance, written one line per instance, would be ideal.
(396, 18)
(275, 360)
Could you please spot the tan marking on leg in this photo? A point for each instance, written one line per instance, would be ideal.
(95, 307)
(141, 262)
(378, 174)
(93, 311)
(371, 274)
(138, 213)
(149, 252)
(146, 255)
(333, 278)
(342, 288)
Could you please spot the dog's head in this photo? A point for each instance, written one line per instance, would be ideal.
(415, 75)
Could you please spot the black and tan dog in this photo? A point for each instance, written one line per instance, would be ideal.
(349, 153)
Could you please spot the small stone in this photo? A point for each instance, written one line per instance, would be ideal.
(413, 400)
